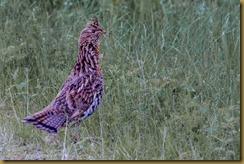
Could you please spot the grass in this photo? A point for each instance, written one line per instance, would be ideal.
(171, 71)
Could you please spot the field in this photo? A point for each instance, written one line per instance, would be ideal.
(171, 71)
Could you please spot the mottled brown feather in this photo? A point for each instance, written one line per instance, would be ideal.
(82, 91)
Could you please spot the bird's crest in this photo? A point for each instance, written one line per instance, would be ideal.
(93, 22)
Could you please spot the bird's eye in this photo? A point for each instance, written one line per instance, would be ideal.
(96, 23)
(93, 31)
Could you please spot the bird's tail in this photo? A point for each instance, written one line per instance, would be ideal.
(45, 120)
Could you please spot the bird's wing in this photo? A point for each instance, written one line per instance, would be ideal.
(83, 95)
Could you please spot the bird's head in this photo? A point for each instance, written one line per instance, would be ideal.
(91, 32)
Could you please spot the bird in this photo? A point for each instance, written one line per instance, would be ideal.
(82, 91)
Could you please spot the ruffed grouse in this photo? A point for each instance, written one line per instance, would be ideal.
(82, 91)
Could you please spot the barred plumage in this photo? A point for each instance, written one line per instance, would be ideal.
(82, 91)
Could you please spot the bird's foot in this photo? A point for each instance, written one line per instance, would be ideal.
(51, 138)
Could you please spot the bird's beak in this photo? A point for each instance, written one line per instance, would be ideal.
(103, 32)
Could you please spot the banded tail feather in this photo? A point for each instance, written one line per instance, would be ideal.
(46, 121)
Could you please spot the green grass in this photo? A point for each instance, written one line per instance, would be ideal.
(171, 72)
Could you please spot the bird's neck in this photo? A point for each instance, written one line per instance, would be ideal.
(87, 61)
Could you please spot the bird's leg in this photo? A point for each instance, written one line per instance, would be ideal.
(51, 138)
(75, 131)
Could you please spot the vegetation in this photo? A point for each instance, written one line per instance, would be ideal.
(171, 71)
